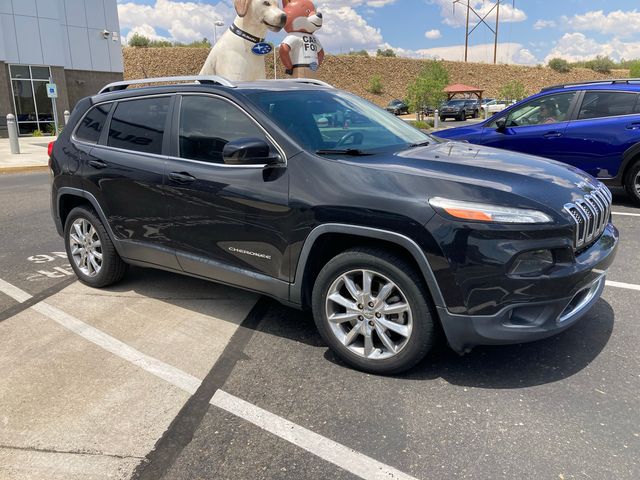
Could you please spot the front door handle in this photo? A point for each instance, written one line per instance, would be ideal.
(552, 134)
(98, 164)
(181, 177)
(633, 126)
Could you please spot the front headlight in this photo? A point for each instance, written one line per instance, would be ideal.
(482, 212)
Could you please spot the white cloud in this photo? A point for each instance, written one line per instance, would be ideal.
(508, 52)
(540, 24)
(185, 21)
(577, 46)
(433, 34)
(455, 15)
(619, 23)
(345, 29)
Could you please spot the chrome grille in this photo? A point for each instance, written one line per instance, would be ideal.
(591, 214)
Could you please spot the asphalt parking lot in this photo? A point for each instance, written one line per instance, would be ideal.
(164, 376)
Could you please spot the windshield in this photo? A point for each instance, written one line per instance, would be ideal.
(326, 120)
(455, 103)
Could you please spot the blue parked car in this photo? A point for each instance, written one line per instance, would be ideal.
(594, 126)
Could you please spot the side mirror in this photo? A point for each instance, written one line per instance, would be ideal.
(249, 151)
(501, 124)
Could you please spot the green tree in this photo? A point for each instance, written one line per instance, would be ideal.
(513, 90)
(601, 64)
(160, 43)
(388, 52)
(138, 40)
(375, 84)
(559, 65)
(359, 53)
(634, 69)
(428, 87)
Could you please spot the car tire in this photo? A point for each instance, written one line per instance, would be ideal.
(476, 113)
(463, 116)
(632, 182)
(443, 119)
(91, 252)
(374, 347)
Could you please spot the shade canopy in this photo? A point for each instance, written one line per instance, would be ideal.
(459, 88)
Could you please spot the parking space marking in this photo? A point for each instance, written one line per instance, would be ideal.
(333, 452)
(627, 214)
(16, 293)
(344, 457)
(156, 367)
(628, 286)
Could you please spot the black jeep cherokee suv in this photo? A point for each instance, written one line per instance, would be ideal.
(383, 231)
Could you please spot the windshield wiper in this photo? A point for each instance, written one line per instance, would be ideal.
(346, 151)
(421, 144)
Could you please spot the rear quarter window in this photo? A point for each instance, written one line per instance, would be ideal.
(608, 104)
(92, 123)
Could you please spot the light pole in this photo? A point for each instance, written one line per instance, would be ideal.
(219, 23)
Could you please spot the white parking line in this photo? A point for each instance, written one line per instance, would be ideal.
(628, 286)
(336, 453)
(344, 457)
(14, 292)
(627, 214)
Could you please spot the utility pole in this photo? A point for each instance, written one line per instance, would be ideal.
(481, 20)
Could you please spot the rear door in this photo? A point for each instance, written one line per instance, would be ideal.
(226, 220)
(607, 124)
(125, 174)
(536, 127)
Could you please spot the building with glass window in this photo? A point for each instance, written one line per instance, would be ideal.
(72, 43)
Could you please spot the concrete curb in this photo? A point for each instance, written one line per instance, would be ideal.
(23, 169)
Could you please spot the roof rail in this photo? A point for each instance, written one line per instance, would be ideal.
(310, 81)
(594, 82)
(202, 79)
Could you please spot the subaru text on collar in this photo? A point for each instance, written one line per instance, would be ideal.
(317, 198)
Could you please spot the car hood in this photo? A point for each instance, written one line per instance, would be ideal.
(491, 175)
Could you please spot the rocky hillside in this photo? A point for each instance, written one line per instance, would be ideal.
(353, 73)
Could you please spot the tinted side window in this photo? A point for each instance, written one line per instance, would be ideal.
(91, 125)
(139, 124)
(607, 104)
(207, 124)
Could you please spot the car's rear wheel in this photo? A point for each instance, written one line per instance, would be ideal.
(632, 183)
(91, 252)
(371, 308)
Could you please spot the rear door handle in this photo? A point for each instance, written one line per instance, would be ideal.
(98, 164)
(633, 126)
(181, 177)
(552, 134)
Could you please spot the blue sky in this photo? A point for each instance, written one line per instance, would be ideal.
(531, 32)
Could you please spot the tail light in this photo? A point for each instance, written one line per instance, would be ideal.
(50, 148)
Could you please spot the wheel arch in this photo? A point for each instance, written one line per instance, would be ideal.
(629, 158)
(69, 198)
(316, 249)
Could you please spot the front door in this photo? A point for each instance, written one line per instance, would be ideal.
(536, 127)
(225, 219)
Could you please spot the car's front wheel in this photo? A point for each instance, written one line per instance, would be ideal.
(632, 183)
(371, 308)
(91, 252)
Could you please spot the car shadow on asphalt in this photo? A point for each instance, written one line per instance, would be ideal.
(493, 367)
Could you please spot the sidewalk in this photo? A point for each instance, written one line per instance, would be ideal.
(33, 154)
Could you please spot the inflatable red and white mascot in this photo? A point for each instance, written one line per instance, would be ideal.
(301, 52)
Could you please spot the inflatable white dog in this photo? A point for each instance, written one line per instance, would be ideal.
(239, 54)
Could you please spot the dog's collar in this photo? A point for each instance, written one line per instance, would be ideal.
(245, 35)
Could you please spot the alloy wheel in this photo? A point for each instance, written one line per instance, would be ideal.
(636, 183)
(369, 314)
(86, 247)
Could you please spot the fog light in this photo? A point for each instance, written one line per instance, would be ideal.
(532, 263)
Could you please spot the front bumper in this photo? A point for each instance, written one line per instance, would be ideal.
(545, 317)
